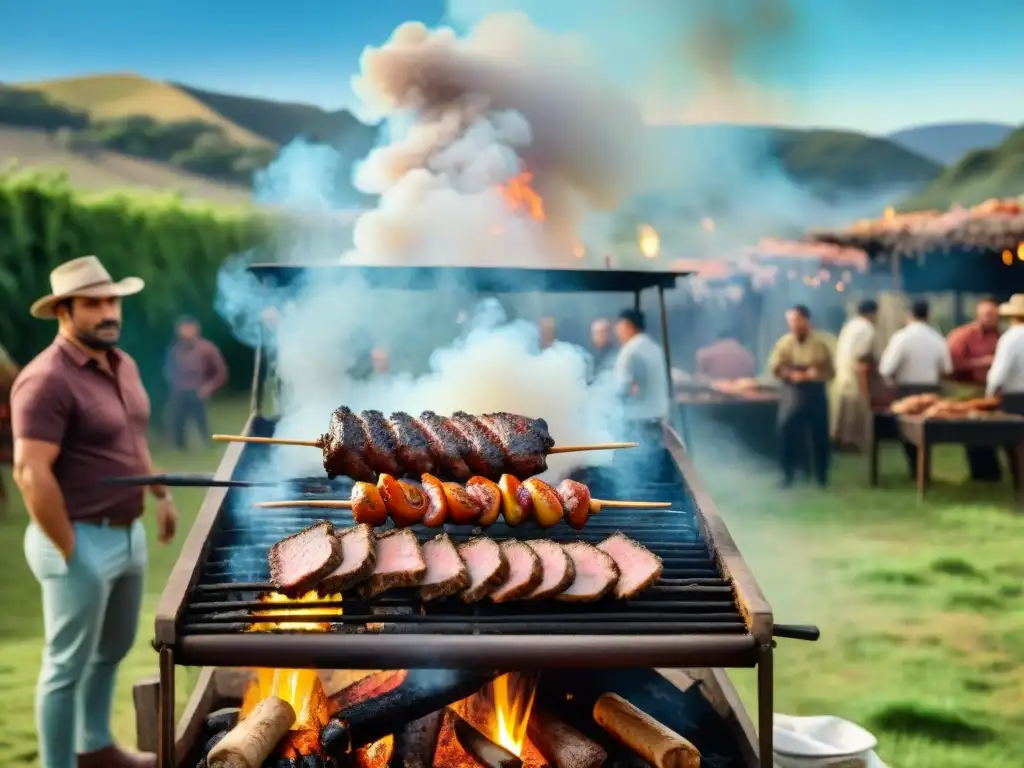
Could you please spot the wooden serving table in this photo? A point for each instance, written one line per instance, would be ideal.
(884, 429)
(748, 419)
(990, 431)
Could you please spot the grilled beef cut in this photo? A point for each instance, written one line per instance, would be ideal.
(557, 569)
(638, 567)
(524, 571)
(486, 458)
(447, 445)
(298, 562)
(380, 443)
(344, 446)
(487, 568)
(358, 559)
(523, 443)
(446, 573)
(596, 573)
(399, 562)
(413, 448)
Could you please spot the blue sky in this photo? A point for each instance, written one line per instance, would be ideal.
(875, 65)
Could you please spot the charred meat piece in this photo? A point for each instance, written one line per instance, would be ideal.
(358, 559)
(525, 450)
(524, 426)
(446, 573)
(399, 563)
(524, 571)
(487, 568)
(447, 446)
(413, 448)
(638, 567)
(557, 569)
(299, 562)
(596, 573)
(381, 447)
(344, 446)
(486, 458)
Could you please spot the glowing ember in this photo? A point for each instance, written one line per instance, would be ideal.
(295, 626)
(650, 243)
(1007, 258)
(521, 196)
(375, 755)
(513, 700)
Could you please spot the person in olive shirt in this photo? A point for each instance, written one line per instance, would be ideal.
(802, 360)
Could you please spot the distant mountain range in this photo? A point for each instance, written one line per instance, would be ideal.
(947, 143)
(225, 138)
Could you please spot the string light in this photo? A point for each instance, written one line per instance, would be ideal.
(1007, 258)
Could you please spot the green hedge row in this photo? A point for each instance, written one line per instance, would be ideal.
(176, 246)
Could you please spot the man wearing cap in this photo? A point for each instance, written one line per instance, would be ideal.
(80, 415)
(1006, 376)
(194, 369)
(972, 347)
(803, 362)
(855, 349)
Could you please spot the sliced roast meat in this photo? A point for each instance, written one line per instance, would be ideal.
(298, 562)
(399, 563)
(446, 573)
(486, 457)
(381, 448)
(487, 567)
(358, 559)
(596, 573)
(413, 448)
(524, 571)
(557, 569)
(638, 567)
(344, 446)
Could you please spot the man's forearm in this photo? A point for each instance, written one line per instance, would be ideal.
(45, 503)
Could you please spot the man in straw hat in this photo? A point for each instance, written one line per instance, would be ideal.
(79, 415)
(1006, 376)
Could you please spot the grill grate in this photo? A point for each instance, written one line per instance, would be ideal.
(692, 597)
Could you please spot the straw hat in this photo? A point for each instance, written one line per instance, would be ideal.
(1014, 307)
(83, 278)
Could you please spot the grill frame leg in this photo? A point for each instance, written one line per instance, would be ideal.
(765, 705)
(165, 735)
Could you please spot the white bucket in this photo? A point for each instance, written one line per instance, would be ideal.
(823, 742)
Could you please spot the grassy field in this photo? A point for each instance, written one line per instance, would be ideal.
(920, 607)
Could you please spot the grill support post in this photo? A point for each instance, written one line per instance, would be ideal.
(765, 705)
(165, 736)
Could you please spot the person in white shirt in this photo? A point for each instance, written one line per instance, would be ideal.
(854, 356)
(1006, 376)
(916, 360)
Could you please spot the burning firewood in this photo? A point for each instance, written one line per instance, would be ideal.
(561, 744)
(481, 748)
(660, 746)
(379, 714)
(250, 742)
(416, 743)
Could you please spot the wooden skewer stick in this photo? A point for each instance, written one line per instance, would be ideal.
(595, 504)
(317, 444)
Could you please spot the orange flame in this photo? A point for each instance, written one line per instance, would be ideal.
(295, 626)
(521, 196)
(513, 701)
(299, 687)
(1020, 250)
(376, 755)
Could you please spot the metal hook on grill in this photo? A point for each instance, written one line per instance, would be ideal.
(807, 632)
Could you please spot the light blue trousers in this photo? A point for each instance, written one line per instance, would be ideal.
(90, 617)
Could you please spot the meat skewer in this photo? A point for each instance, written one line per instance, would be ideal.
(360, 445)
(478, 503)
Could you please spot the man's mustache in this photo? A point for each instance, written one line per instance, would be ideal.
(111, 324)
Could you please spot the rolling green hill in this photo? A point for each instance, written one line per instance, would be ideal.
(980, 175)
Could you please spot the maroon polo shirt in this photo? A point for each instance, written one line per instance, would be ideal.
(98, 419)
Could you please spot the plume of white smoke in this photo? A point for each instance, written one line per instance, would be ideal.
(465, 115)
(507, 99)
